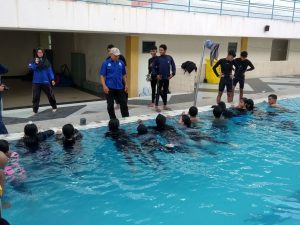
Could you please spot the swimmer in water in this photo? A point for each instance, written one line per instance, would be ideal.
(193, 112)
(14, 172)
(69, 136)
(32, 138)
(123, 142)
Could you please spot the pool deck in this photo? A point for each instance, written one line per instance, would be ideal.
(95, 112)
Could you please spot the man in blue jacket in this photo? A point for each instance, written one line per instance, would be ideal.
(114, 82)
(165, 65)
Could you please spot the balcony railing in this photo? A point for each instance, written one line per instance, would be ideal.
(288, 10)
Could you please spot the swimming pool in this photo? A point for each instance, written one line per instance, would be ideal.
(254, 179)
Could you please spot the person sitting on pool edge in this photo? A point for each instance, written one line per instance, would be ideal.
(32, 138)
(69, 135)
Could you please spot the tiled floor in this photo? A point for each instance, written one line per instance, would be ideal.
(20, 95)
(96, 111)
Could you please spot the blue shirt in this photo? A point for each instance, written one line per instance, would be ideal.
(41, 75)
(163, 65)
(113, 71)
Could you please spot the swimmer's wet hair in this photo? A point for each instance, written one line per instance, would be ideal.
(273, 96)
(113, 124)
(249, 104)
(68, 130)
(142, 129)
(222, 105)
(161, 120)
(186, 120)
(193, 111)
(217, 112)
(30, 130)
(4, 146)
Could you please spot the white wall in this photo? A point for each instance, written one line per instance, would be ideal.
(93, 17)
(16, 50)
(94, 47)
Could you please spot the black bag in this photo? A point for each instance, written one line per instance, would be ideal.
(189, 66)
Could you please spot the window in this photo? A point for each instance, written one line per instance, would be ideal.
(279, 49)
(147, 45)
(232, 46)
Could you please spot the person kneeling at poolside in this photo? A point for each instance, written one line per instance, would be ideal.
(15, 173)
(69, 135)
(32, 137)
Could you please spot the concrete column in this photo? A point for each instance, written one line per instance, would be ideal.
(45, 41)
(131, 53)
(244, 44)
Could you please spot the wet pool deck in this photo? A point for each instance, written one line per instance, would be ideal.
(95, 111)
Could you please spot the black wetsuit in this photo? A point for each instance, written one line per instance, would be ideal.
(151, 68)
(69, 144)
(241, 66)
(33, 143)
(226, 70)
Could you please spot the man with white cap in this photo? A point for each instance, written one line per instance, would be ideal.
(113, 79)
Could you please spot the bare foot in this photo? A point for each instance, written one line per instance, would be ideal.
(151, 105)
(157, 109)
(54, 110)
(167, 108)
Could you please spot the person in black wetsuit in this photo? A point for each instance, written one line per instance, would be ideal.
(241, 65)
(162, 69)
(32, 138)
(226, 75)
(124, 143)
(153, 75)
(69, 136)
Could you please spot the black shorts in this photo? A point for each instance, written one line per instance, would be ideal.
(225, 82)
(239, 80)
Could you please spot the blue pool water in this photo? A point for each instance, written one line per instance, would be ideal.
(253, 180)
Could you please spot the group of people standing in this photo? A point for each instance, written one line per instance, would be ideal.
(113, 78)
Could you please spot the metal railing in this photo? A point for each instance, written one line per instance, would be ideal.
(288, 10)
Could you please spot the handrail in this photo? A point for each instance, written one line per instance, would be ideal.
(271, 9)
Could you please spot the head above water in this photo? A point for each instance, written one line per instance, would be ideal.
(113, 125)
(272, 99)
(231, 55)
(4, 146)
(160, 121)
(142, 129)
(186, 120)
(193, 111)
(30, 130)
(217, 112)
(249, 104)
(242, 102)
(222, 105)
(68, 131)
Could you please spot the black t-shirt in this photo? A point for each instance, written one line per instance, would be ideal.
(226, 67)
(151, 65)
(241, 66)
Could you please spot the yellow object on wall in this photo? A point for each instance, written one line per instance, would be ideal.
(209, 73)
(132, 51)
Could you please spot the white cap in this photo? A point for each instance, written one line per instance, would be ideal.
(115, 51)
